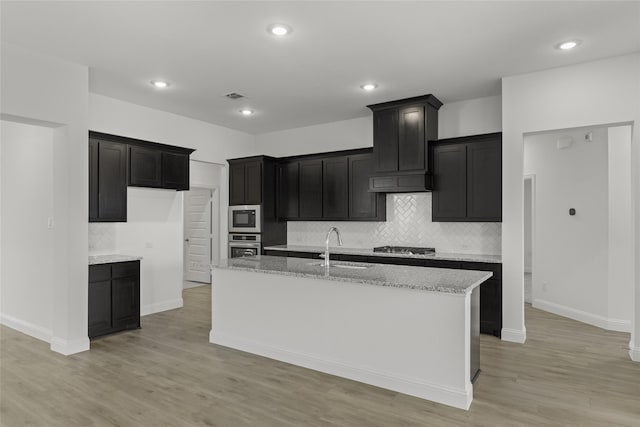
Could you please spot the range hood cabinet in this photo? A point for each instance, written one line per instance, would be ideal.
(401, 131)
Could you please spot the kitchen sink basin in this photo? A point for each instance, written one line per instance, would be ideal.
(347, 265)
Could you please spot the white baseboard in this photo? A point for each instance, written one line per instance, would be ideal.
(27, 328)
(458, 398)
(583, 316)
(634, 352)
(145, 310)
(188, 285)
(68, 347)
(514, 335)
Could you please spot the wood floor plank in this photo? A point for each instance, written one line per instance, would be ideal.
(167, 374)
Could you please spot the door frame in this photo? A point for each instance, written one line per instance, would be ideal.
(214, 218)
(532, 179)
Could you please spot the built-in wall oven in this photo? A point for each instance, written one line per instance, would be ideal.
(244, 219)
(243, 245)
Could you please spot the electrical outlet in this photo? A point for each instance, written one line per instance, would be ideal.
(50, 223)
(148, 245)
(544, 286)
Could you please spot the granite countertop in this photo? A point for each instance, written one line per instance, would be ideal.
(494, 259)
(399, 276)
(111, 258)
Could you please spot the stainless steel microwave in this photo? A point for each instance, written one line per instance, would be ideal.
(244, 219)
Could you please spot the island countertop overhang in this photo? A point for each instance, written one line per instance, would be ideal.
(428, 279)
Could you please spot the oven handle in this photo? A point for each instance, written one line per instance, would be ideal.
(244, 245)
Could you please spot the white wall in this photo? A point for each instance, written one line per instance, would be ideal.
(39, 89)
(599, 92)
(470, 117)
(27, 195)
(620, 275)
(155, 216)
(154, 231)
(571, 252)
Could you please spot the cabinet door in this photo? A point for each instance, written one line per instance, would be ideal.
(362, 203)
(411, 141)
(335, 184)
(112, 181)
(236, 184)
(450, 182)
(484, 180)
(288, 191)
(253, 182)
(385, 140)
(310, 189)
(93, 180)
(145, 167)
(125, 308)
(99, 308)
(175, 171)
(491, 307)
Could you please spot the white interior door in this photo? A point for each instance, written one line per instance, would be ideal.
(197, 234)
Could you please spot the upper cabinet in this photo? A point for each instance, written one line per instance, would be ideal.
(468, 179)
(401, 133)
(246, 181)
(116, 162)
(107, 181)
(329, 186)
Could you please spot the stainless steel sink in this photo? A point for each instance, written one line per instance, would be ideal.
(347, 265)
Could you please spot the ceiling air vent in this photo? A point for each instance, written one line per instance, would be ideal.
(234, 95)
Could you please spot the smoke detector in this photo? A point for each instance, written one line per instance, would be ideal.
(234, 95)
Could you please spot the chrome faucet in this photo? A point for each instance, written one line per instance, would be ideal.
(326, 251)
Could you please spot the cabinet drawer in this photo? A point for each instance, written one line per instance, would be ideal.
(99, 272)
(125, 269)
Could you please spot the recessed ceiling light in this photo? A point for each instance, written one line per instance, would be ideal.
(279, 29)
(160, 84)
(246, 112)
(369, 86)
(568, 45)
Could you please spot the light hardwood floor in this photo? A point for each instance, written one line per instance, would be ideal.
(167, 374)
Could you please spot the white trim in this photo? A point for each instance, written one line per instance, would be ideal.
(27, 328)
(458, 398)
(69, 347)
(634, 352)
(145, 310)
(514, 335)
(583, 316)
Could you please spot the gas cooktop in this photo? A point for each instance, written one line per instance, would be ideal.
(406, 250)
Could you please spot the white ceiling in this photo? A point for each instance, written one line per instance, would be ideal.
(455, 50)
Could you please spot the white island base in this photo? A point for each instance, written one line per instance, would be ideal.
(415, 342)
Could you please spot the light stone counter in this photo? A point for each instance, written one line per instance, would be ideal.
(494, 259)
(397, 276)
(111, 258)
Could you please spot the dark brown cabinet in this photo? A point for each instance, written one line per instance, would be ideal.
(114, 297)
(402, 130)
(107, 181)
(288, 194)
(362, 203)
(145, 167)
(245, 181)
(467, 175)
(310, 189)
(175, 171)
(335, 203)
(329, 186)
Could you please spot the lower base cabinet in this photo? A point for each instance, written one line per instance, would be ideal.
(114, 297)
(490, 291)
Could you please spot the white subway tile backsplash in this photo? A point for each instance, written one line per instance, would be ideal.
(408, 224)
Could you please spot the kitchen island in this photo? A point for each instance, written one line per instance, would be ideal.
(413, 330)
